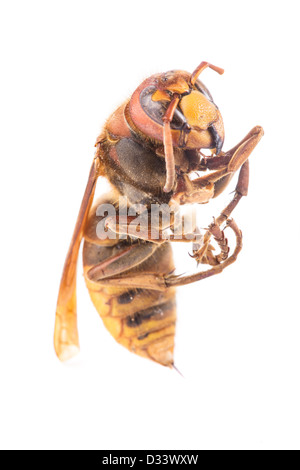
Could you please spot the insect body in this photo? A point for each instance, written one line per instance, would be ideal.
(148, 150)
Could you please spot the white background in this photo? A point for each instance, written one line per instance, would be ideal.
(65, 66)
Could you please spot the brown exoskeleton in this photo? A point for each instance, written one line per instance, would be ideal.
(148, 150)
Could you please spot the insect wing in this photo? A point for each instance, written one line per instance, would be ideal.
(66, 341)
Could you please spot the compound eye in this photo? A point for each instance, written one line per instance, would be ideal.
(202, 88)
(156, 108)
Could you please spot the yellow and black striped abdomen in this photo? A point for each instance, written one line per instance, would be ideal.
(142, 320)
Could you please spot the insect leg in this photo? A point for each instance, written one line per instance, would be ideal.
(238, 157)
(125, 225)
(168, 145)
(240, 191)
(175, 281)
(228, 163)
(205, 255)
(124, 259)
(132, 226)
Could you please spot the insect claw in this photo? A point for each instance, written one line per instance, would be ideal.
(213, 223)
